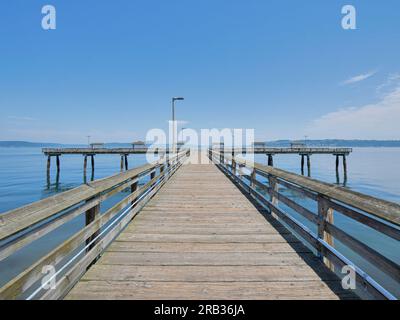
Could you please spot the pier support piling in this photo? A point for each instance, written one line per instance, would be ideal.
(48, 164)
(126, 162)
(308, 165)
(122, 163)
(92, 162)
(337, 169)
(84, 169)
(270, 160)
(48, 171)
(58, 163)
(302, 164)
(344, 169)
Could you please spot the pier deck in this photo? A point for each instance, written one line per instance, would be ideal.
(200, 237)
(216, 230)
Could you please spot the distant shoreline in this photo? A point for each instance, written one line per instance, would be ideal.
(276, 143)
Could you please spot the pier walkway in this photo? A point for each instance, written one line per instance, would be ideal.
(201, 238)
(227, 228)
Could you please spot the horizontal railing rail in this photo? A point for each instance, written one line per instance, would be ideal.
(380, 215)
(273, 150)
(22, 226)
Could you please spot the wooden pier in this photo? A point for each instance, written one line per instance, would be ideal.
(196, 240)
(303, 152)
(201, 231)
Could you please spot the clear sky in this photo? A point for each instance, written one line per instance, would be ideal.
(285, 68)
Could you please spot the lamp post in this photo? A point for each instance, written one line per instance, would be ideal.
(173, 121)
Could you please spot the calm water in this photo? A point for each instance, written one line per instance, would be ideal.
(374, 171)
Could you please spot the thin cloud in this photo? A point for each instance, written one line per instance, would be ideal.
(358, 78)
(378, 120)
(21, 118)
(391, 82)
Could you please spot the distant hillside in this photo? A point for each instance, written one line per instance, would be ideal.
(339, 143)
(25, 144)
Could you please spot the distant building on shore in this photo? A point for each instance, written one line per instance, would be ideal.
(97, 145)
(138, 145)
(297, 144)
(259, 144)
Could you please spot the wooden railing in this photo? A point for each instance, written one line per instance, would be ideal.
(70, 260)
(380, 215)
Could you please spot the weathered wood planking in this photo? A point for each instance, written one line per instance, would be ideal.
(362, 208)
(201, 238)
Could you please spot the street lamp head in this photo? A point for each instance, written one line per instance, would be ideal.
(178, 98)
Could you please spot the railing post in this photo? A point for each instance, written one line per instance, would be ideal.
(274, 188)
(162, 169)
(48, 170)
(134, 187)
(233, 166)
(167, 160)
(122, 163)
(252, 178)
(325, 215)
(126, 162)
(90, 216)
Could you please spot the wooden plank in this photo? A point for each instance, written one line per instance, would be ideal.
(206, 273)
(206, 258)
(188, 243)
(214, 238)
(129, 290)
(191, 247)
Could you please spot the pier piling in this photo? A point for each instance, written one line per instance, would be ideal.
(308, 165)
(122, 163)
(126, 162)
(337, 169)
(345, 168)
(84, 165)
(58, 163)
(48, 164)
(92, 161)
(270, 160)
(302, 164)
(48, 171)
(84, 169)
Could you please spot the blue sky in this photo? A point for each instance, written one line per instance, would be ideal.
(285, 68)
